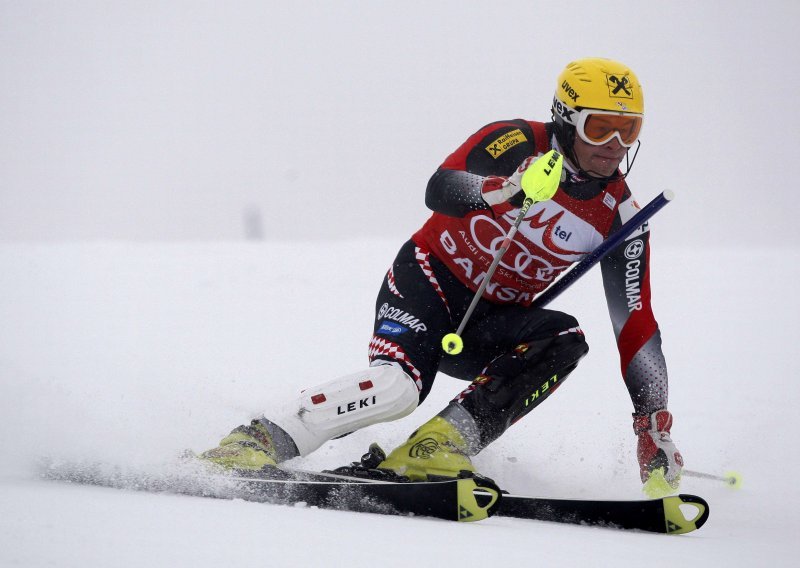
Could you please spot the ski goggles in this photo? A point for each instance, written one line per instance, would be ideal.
(598, 127)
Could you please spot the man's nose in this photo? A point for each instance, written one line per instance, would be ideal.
(614, 143)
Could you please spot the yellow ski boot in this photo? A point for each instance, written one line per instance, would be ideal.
(436, 449)
(247, 448)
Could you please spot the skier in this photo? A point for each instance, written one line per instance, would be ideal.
(514, 356)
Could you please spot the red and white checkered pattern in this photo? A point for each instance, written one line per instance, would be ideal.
(379, 346)
(463, 394)
(481, 379)
(577, 330)
(390, 282)
(425, 265)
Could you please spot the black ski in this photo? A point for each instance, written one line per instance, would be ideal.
(466, 499)
(359, 490)
(675, 514)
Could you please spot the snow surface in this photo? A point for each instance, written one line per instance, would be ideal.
(128, 354)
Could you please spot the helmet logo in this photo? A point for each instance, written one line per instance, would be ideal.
(563, 110)
(571, 93)
(619, 86)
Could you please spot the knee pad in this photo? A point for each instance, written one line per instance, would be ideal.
(379, 394)
(515, 383)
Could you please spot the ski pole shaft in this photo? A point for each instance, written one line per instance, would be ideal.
(539, 182)
(603, 249)
(495, 262)
(730, 478)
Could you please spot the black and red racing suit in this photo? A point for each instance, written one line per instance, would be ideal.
(455, 248)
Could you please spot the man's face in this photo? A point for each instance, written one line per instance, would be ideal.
(601, 161)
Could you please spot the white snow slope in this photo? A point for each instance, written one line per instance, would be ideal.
(129, 353)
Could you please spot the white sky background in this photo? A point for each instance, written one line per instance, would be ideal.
(173, 120)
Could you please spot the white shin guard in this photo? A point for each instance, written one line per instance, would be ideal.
(379, 394)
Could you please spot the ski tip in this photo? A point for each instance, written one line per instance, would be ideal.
(684, 513)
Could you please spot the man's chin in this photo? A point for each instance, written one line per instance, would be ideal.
(600, 174)
(602, 168)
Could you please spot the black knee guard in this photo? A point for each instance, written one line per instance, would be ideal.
(517, 382)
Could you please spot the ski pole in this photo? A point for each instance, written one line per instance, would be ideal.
(603, 249)
(539, 182)
(730, 478)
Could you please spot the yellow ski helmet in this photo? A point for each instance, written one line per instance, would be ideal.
(596, 83)
(597, 99)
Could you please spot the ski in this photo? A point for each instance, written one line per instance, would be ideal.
(361, 490)
(676, 514)
(463, 499)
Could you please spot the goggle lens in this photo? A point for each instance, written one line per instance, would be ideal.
(599, 128)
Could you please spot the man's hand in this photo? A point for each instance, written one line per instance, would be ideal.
(660, 462)
(498, 190)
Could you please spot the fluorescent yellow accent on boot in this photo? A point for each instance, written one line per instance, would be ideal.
(657, 486)
(436, 448)
(240, 450)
